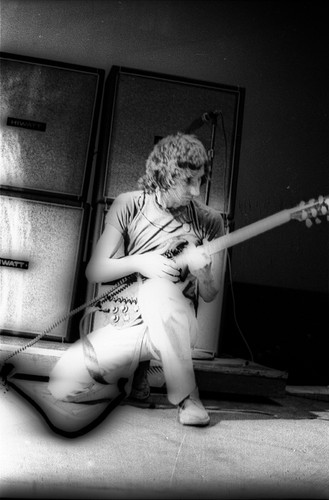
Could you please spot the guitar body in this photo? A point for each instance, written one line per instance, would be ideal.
(119, 301)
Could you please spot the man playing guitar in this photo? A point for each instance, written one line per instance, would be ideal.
(143, 231)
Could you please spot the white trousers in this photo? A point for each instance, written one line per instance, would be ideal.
(167, 333)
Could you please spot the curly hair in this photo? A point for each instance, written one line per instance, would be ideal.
(173, 158)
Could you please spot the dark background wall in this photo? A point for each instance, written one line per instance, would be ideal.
(277, 51)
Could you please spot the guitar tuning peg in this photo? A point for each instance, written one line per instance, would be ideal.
(308, 223)
(303, 214)
(317, 220)
(320, 199)
(314, 212)
(324, 210)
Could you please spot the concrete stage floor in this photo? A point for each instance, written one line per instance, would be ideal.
(253, 448)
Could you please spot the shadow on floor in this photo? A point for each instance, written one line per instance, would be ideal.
(241, 407)
(75, 419)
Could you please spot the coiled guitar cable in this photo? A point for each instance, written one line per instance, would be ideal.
(119, 287)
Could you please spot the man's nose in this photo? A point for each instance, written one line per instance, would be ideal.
(195, 190)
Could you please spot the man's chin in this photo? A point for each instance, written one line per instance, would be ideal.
(181, 204)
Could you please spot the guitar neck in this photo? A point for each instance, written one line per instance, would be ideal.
(247, 232)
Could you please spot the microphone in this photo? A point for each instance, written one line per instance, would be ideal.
(210, 116)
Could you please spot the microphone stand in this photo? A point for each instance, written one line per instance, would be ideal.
(211, 154)
(199, 122)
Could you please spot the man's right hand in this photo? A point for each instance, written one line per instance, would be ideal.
(155, 265)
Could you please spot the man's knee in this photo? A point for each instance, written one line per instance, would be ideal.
(64, 385)
(67, 390)
(69, 376)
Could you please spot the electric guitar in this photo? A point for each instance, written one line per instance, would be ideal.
(121, 308)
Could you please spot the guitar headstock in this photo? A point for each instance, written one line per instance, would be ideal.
(312, 210)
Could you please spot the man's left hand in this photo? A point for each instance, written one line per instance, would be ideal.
(198, 258)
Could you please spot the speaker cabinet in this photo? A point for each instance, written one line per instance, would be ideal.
(41, 246)
(49, 116)
(140, 107)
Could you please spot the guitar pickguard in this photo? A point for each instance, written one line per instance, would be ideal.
(121, 307)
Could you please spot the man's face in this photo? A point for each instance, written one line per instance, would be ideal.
(184, 190)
